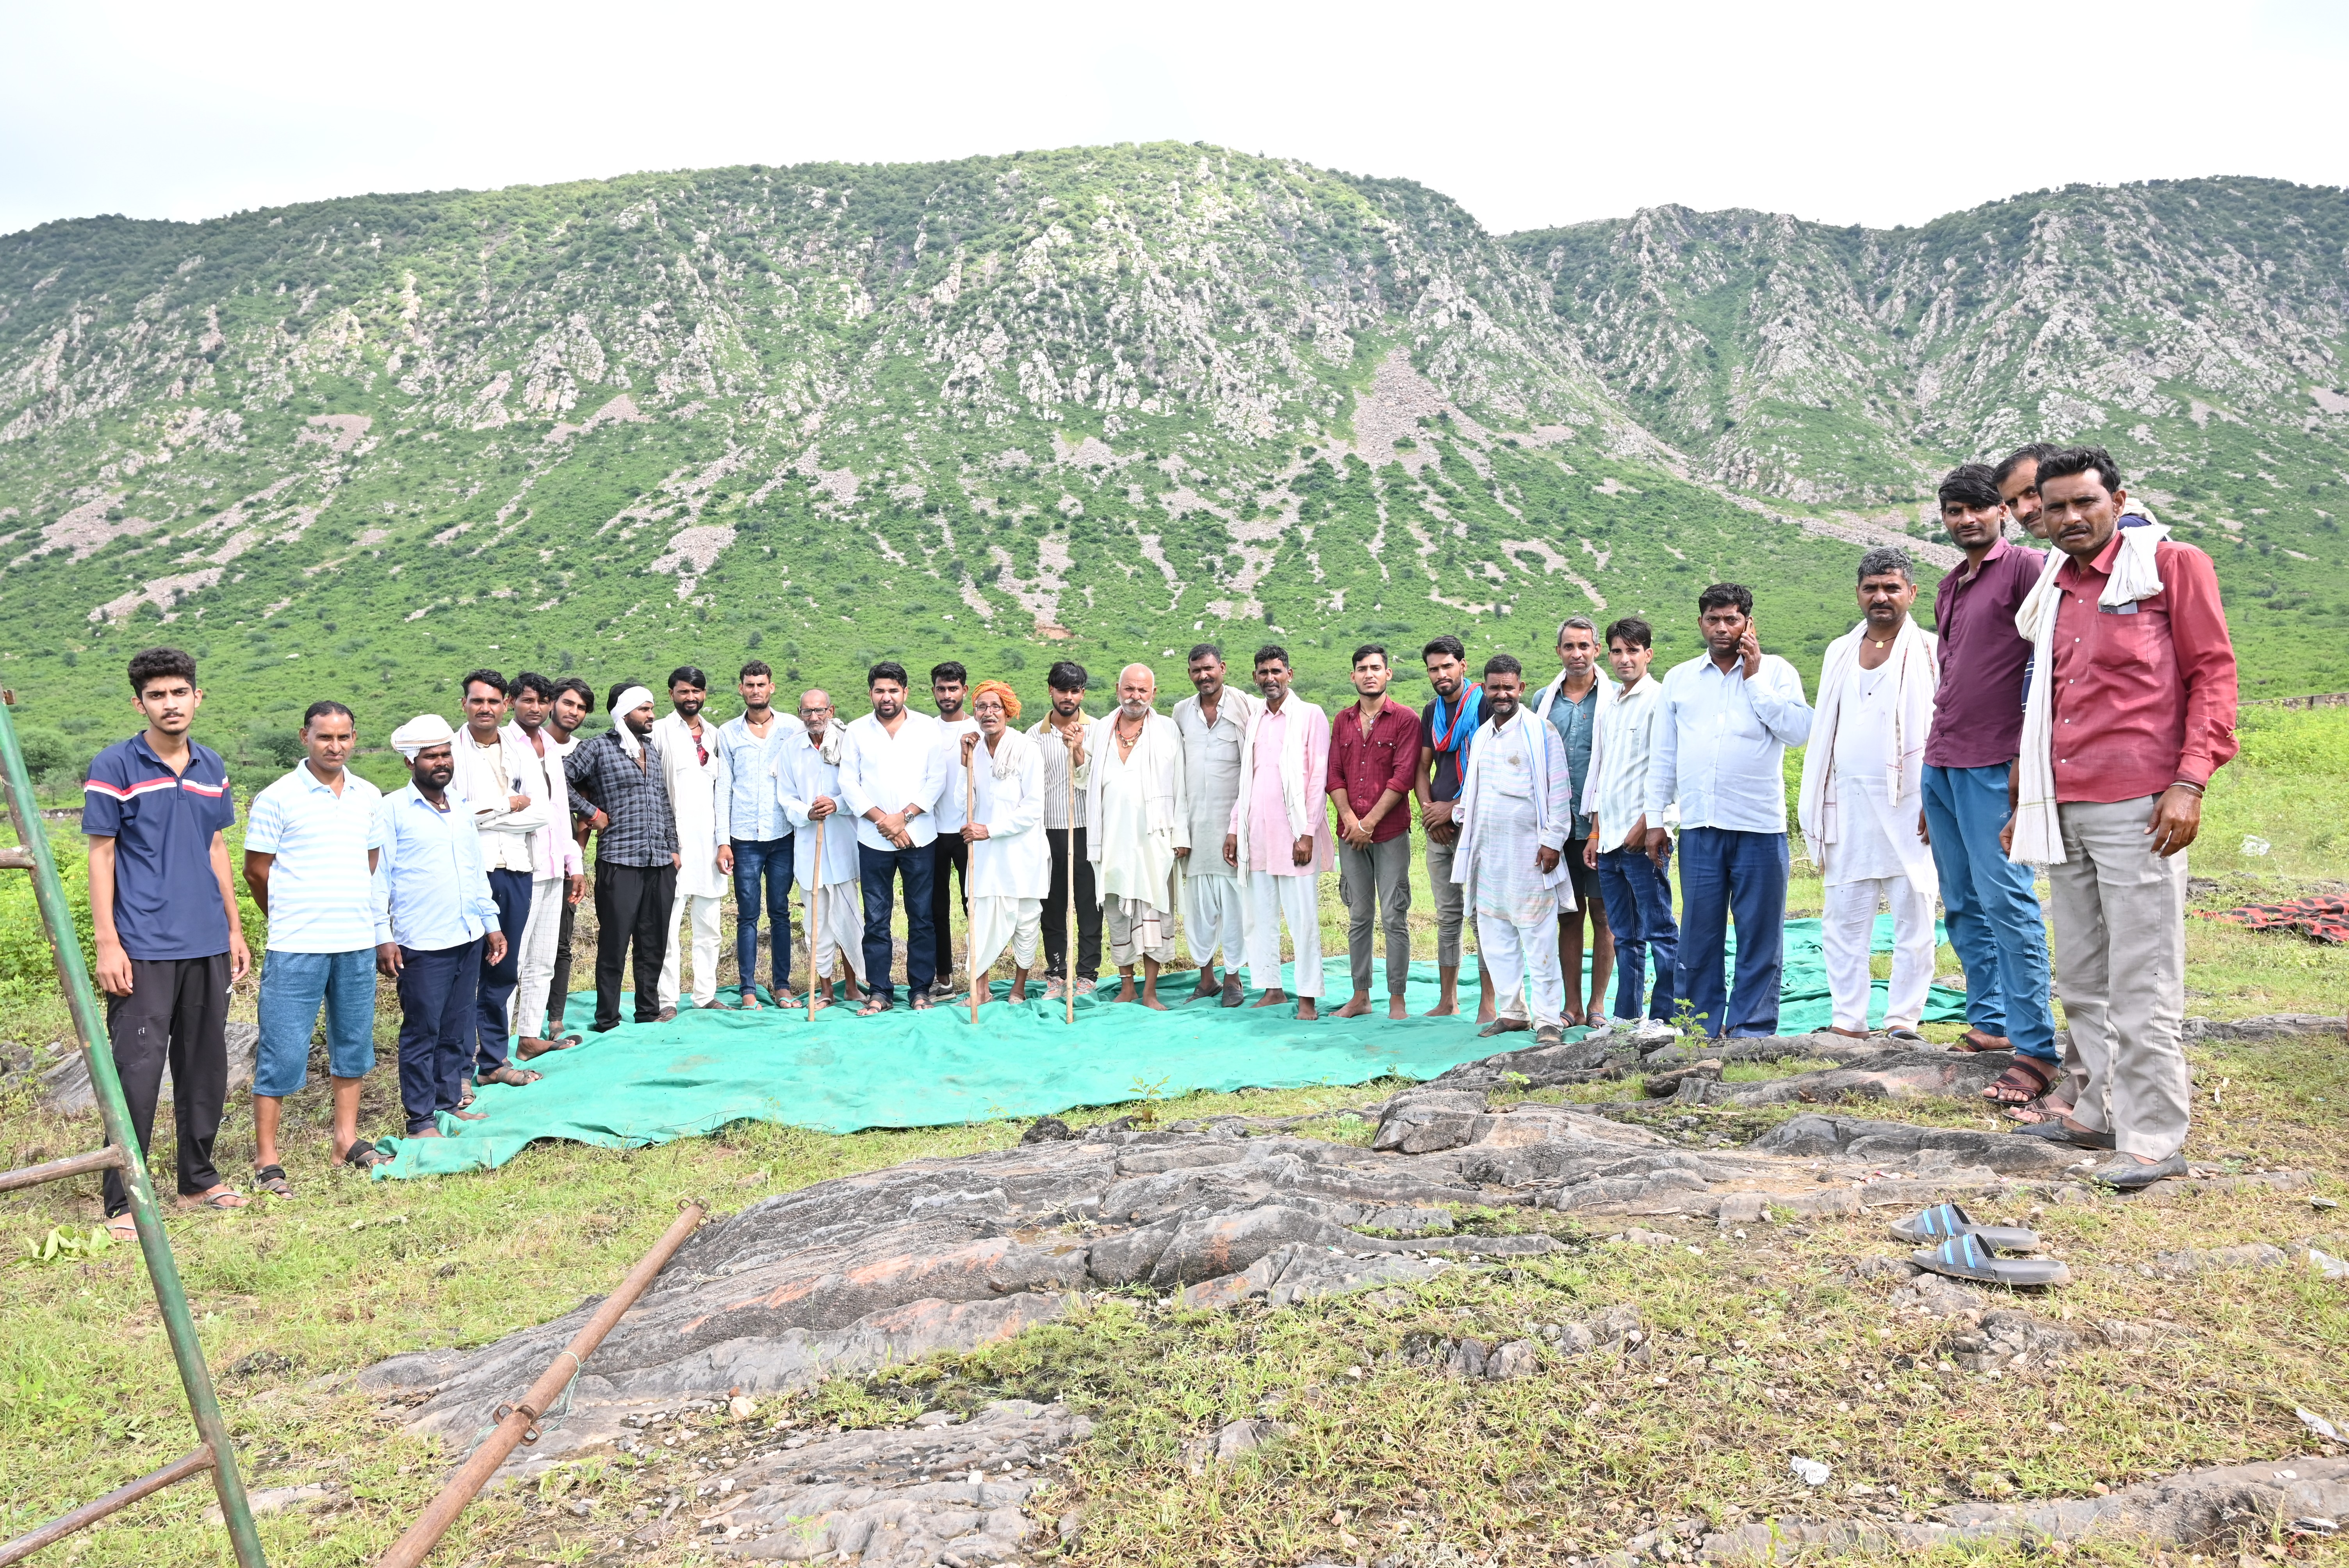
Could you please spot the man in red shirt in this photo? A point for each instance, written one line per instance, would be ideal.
(1373, 767)
(2141, 712)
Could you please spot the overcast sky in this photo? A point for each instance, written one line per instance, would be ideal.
(1531, 114)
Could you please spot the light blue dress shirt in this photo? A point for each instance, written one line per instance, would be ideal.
(750, 807)
(1721, 745)
(320, 895)
(430, 892)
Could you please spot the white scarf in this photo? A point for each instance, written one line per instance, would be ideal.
(1916, 676)
(626, 703)
(835, 734)
(1009, 754)
(2038, 834)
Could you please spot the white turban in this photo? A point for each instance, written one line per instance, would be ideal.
(427, 730)
(626, 703)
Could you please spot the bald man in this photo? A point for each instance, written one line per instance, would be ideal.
(1141, 809)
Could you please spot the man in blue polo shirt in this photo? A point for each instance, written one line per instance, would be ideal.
(310, 848)
(163, 910)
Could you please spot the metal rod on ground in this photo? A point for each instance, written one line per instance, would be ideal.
(98, 1508)
(520, 1423)
(114, 1112)
(969, 807)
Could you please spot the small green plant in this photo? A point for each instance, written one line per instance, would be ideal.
(1151, 1095)
(68, 1243)
(1684, 1015)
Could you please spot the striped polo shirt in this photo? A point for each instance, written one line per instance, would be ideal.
(167, 900)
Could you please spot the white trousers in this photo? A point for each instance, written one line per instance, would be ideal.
(1523, 958)
(1270, 901)
(997, 922)
(1214, 918)
(703, 911)
(1137, 930)
(527, 1011)
(1845, 936)
(838, 922)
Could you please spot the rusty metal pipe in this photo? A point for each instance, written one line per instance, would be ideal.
(107, 1159)
(518, 1423)
(90, 1512)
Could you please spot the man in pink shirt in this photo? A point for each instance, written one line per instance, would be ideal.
(2141, 690)
(1279, 838)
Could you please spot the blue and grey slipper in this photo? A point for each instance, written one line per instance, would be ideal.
(1965, 1257)
(1945, 1220)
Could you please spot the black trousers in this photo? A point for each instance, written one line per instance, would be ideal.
(949, 855)
(558, 988)
(632, 905)
(1056, 910)
(177, 1017)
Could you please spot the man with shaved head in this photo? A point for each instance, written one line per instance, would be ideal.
(1140, 807)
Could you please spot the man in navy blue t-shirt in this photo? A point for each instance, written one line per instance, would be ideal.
(169, 943)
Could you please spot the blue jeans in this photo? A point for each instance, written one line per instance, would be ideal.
(511, 891)
(293, 984)
(1638, 901)
(1728, 875)
(877, 869)
(770, 859)
(1992, 915)
(438, 1012)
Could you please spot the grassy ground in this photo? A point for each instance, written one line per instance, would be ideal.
(1767, 1346)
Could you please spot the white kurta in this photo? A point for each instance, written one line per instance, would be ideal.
(1141, 810)
(1012, 861)
(836, 910)
(693, 801)
(1513, 799)
(1857, 794)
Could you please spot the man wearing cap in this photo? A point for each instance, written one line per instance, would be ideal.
(435, 923)
(636, 859)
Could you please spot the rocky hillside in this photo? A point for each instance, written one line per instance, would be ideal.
(1102, 401)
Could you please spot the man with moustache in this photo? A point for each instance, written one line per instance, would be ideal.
(574, 699)
(1060, 734)
(687, 748)
(754, 836)
(1213, 721)
(892, 773)
(1722, 734)
(489, 779)
(436, 921)
(1447, 728)
(1988, 905)
(1639, 891)
(1138, 800)
(1009, 867)
(1516, 809)
(2017, 479)
(1373, 768)
(1571, 704)
(558, 871)
(636, 855)
(824, 842)
(1278, 836)
(949, 852)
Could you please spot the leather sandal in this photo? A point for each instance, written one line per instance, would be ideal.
(271, 1179)
(510, 1076)
(2025, 1080)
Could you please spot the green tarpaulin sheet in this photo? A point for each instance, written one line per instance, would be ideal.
(648, 1083)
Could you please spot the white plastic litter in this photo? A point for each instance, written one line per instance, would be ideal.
(2255, 845)
(2317, 1424)
(1810, 1472)
(2328, 1265)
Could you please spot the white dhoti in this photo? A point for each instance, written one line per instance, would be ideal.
(1516, 911)
(1270, 901)
(1214, 918)
(702, 910)
(997, 922)
(837, 921)
(526, 1013)
(1137, 930)
(1847, 933)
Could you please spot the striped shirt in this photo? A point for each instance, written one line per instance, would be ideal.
(167, 894)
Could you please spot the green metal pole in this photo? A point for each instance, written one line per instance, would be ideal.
(97, 1049)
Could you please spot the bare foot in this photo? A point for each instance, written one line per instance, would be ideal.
(1126, 993)
(1150, 997)
(1485, 1014)
(428, 1132)
(1443, 1009)
(1272, 999)
(1305, 1013)
(1395, 1008)
(1357, 1006)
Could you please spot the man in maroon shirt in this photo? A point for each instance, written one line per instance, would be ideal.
(2142, 712)
(1373, 767)
(1987, 903)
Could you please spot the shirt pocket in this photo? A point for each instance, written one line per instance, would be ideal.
(2122, 642)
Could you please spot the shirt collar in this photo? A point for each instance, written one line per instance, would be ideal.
(314, 782)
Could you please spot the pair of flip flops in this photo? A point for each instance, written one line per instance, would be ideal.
(1962, 1248)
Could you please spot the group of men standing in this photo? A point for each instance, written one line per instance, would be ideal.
(2067, 716)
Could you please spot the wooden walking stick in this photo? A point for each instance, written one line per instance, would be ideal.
(1068, 953)
(969, 807)
(815, 918)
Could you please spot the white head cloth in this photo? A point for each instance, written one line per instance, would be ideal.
(426, 729)
(626, 703)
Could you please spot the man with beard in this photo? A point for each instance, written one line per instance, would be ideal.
(574, 699)
(1722, 735)
(1447, 728)
(824, 842)
(436, 921)
(754, 838)
(637, 856)
(692, 771)
(557, 870)
(1639, 891)
(1517, 813)
(489, 779)
(1862, 778)
(1571, 704)
(1373, 767)
(1142, 811)
(1212, 721)
(890, 776)
(1278, 836)
(1068, 774)
(949, 852)
(1009, 868)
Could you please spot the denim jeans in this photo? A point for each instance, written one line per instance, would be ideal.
(1988, 908)
(769, 859)
(1728, 875)
(1639, 900)
(511, 890)
(437, 1018)
(293, 984)
(879, 869)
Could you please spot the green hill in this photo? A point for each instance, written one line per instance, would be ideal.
(1098, 402)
